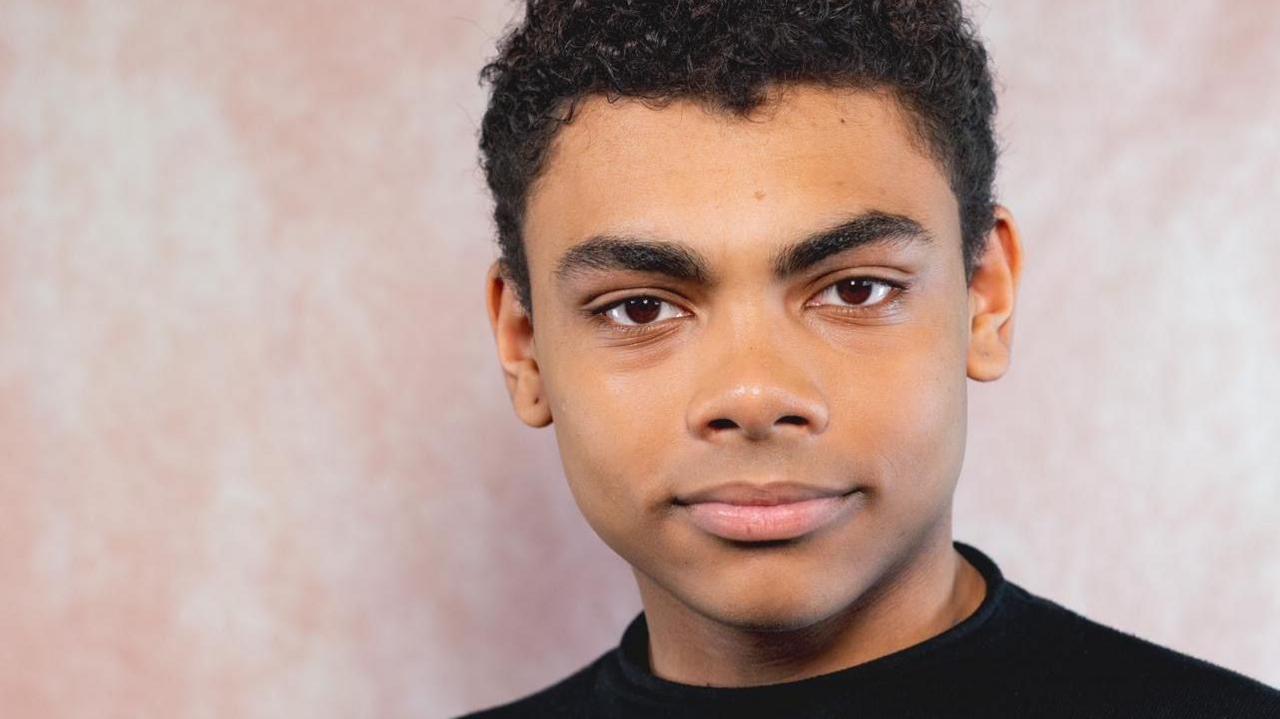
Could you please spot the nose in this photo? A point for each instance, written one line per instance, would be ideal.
(756, 389)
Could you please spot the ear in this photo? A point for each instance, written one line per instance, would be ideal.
(513, 332)
(991, 300)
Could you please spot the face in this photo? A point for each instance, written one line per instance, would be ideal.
(777, 299)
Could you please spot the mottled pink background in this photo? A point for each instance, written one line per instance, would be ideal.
(256, 457)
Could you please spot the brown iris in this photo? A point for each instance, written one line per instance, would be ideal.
(642, 310)
(855, 292)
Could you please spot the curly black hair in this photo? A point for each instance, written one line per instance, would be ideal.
(727, 54)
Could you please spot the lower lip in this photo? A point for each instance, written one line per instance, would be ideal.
(760, 523)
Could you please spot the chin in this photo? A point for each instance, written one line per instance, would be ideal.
(773, 618)
(772, 605)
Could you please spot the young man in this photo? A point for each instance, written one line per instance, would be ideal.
(750, 258)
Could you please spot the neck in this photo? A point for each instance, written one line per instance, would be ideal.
(934, 589)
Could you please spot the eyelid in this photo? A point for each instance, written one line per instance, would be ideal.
(653, 294)
(599, 314)
(896, 289)
(606, 309)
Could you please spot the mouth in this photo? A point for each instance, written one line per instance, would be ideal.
(760, 513)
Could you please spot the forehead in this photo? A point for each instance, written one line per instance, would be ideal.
(734, 187)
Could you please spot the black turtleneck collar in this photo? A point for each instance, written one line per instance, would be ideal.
(627, 674)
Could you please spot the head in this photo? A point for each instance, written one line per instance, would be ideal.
(760, 245)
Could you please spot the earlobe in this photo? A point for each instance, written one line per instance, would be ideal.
(992, 296)
(529, 401)
(513, 334)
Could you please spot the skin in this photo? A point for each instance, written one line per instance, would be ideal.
(751, 378)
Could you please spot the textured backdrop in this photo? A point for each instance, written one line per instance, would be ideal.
(256, 457)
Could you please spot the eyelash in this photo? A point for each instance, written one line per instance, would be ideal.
(896, 290)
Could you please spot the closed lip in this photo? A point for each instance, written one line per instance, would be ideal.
(768, 494)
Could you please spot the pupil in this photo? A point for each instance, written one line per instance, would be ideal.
(855, 292)
(643, 310)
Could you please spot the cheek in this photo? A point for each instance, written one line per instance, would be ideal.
(921, 399)
(611, 431)
(898, 396)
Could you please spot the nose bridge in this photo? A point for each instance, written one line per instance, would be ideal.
(754, 379)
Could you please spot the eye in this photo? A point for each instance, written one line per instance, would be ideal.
(638, 311)
(858, 292)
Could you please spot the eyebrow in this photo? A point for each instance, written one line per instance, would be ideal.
(683, 263)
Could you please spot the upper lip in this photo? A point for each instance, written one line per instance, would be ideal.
(759, 494)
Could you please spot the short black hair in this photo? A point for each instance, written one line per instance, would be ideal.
(726, 54)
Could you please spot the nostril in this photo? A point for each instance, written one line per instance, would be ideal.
(793, 419)
(723, 424)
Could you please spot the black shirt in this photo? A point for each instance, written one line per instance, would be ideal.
(1018, 655)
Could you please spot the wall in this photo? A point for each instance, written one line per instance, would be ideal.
(250, 408)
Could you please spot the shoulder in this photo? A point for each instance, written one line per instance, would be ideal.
(566, 698)
(1056, 647)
